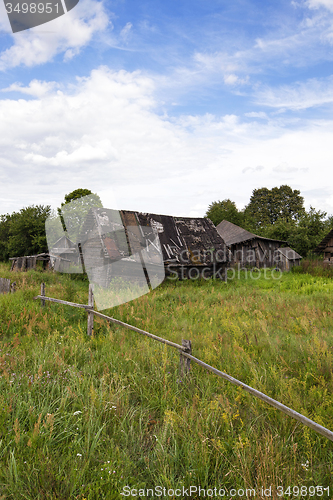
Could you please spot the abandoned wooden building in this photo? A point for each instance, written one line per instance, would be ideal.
(184, 247)
(287, 258)
(65, 255)
(248, 249)
(28, 262)
(325, 247)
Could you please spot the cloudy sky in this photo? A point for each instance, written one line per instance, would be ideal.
(168, 104)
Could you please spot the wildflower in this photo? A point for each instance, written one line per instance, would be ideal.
(306, 465)
(79, 455)
(77, 412)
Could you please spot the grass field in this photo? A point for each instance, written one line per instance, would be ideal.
(81, 418)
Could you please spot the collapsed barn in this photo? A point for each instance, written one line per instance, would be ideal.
(250, 250)
(326, 247)
(185, 247)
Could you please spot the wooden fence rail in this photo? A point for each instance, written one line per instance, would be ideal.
(185, 358)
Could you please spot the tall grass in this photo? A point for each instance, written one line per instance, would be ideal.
(315, 267)
(81, 417)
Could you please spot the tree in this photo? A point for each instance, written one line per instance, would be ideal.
(74, 210)
(4, 236)
(267, 206)
(26, 231)
(224, 210)
(303, 235)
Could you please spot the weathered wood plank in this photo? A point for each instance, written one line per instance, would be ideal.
(4, 285)
(42, 292)
(90, 325)
(185, 362)
(73, 304)
(135, 329)
(276, 404)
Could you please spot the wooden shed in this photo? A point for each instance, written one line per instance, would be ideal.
(288, 258)
(64, 255)
(28, 262)
(248, 249)
(326, 247)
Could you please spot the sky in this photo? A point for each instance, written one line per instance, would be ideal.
(168, 106)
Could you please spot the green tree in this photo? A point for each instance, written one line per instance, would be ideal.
(302, 235)
(4, 236)
(224, 210)
(267, 206)
(26, 231)
(74, 210)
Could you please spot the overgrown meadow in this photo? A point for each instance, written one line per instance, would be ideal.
(80, 418)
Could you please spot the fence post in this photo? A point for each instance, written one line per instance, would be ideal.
(13, 287)
(42, 292)
(185, 362)
(90, 315)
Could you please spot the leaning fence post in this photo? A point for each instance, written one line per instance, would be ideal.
(13, 287)
(90, 314)
(42, 292)
(185, 362)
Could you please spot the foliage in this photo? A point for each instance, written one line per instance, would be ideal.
(303, 235)
(277, 213)
(75, 208)
(23, 232)
(4, 236)
(224, 210)
(81, 417)
(267, 206)
(315, 267)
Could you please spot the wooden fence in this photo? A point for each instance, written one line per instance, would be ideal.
(6, 287)
(185, 351)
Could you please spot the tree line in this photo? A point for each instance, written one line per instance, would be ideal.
(23, 233)
(276, 213)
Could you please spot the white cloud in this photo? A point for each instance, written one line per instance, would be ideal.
(36, 88)
(316, 4)
(256, 114)
(258, 168)
(105, 133)
(125, 32)
(285, 168)
(300, 95)
(66, 34)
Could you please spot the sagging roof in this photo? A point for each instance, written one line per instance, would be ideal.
(289, 253)
(233, 234)
(63, 245)
(323, 244)
(183, 240)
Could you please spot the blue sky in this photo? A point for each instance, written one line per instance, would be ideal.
(168, 105)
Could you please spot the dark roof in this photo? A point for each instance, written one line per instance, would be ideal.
(193, 240)
(234, 234)
(289, 253)
(183, 240)
(323, 244)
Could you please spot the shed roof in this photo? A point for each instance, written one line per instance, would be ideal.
(289, 253)
(235, 234)
(182, 239)
(323, 244)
